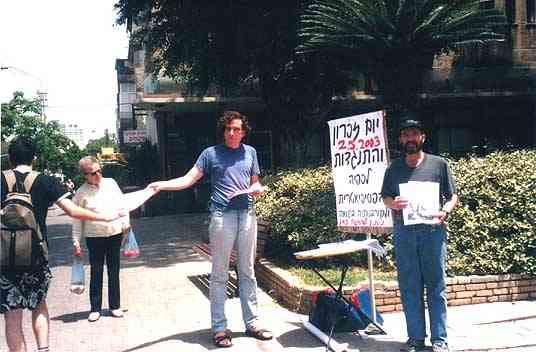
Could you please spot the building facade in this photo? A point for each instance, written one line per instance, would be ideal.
(75, 132)
(486, 96)
(475, 98)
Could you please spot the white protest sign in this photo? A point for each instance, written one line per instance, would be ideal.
(359, 157)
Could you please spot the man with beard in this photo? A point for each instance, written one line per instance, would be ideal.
(420, 249)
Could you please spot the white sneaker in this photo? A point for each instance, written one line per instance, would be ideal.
(440, 346)
(117, 313)
(93, 316)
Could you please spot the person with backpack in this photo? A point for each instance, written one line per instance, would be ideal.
(25, 273)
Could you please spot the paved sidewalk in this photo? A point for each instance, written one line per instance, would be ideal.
(167, 311)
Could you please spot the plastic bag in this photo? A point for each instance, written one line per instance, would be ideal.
(78, 279)
(130, 248)
(362, 296)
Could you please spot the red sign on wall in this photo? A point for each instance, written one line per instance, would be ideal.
(134, 136)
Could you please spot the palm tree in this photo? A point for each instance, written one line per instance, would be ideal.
(395, 41)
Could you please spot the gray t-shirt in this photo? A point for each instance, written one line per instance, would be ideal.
(432, 169)
(230, 170)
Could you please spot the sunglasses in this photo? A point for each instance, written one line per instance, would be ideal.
(93, 173)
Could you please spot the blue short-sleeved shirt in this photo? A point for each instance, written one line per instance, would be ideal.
(230, 170)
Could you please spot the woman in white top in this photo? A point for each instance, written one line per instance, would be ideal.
(103, 239)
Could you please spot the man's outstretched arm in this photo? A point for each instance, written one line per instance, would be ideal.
(179, 183)
(77, 212)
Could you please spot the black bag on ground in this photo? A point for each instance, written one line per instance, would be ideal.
(328, 309)
(22, 247)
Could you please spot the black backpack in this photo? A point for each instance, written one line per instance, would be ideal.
(22, 247)
(331, 311)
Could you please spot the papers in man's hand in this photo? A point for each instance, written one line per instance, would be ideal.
(133, 200)
(256, 187)
(423, 199)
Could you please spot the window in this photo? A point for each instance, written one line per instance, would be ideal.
(125, 107)
(487, 4)
(531, 11)
(127, 87)
(510, 10)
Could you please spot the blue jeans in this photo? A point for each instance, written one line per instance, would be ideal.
(225, 229)
(421, 252)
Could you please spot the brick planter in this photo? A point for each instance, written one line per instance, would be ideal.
(461, 290)
(263, 235)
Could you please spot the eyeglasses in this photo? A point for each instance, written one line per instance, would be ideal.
(98, 171)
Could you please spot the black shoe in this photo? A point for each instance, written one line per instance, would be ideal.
(413, 345)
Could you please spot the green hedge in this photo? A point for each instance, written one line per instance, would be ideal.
(493, 230)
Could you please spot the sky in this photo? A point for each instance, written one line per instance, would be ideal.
(67, 49)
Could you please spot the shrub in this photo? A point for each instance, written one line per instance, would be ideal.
(493, 229)
(301, 209)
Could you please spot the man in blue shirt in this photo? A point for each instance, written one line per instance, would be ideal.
(233, 168)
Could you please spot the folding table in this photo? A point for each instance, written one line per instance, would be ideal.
(338, 249)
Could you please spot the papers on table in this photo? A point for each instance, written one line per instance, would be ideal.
(340, 248)
(256, 187)
(133, 200)
(423, 199)
(371, 244)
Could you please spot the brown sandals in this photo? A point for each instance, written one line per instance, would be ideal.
(225, 340)
(259, 334)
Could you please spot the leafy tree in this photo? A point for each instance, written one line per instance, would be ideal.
(18, 108)
(395, 41)
(56, 153)
(244, 48)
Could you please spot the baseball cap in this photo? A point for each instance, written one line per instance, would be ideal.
(410, 123)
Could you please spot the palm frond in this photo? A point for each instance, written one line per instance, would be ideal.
(426, 25)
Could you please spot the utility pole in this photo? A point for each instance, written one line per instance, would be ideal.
(106, 137)
(43, 99)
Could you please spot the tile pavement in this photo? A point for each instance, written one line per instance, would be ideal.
(167, 311)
